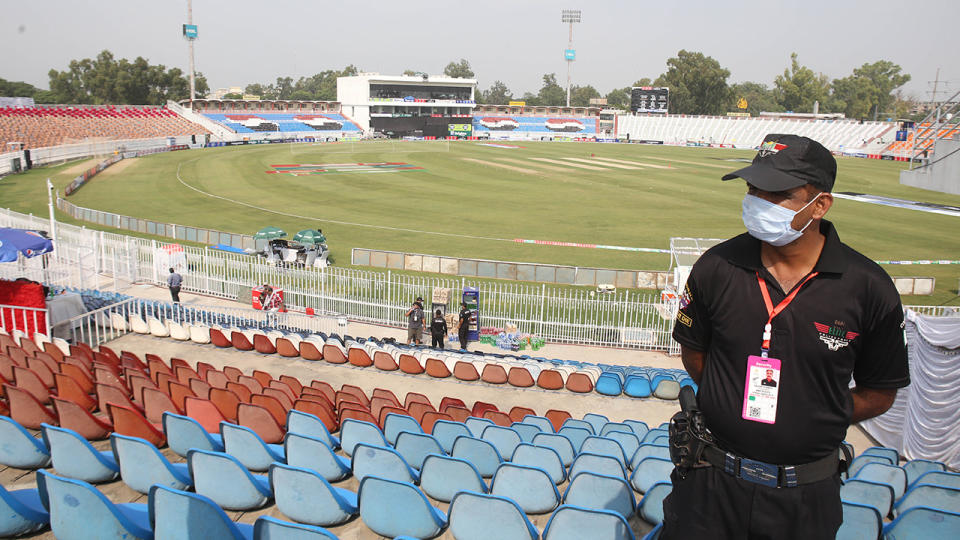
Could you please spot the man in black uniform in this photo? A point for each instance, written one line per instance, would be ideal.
(464, 329)
(787, 297)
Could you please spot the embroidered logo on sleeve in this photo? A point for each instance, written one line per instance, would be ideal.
(686, 298)
(835, 337)
(683, 318)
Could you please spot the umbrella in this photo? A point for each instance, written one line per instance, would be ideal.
(269, 233)
(310, 236)
(15, 241)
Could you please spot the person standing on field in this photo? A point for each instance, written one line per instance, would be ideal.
(174, 280)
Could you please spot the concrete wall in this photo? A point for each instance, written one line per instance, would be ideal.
(943, 173)
(513, 271)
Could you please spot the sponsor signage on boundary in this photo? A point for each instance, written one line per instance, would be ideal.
(85, 176)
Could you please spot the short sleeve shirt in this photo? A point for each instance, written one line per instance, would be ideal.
(415, 319)
(847, 322)
(174, 279)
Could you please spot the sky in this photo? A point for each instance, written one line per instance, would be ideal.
(617, 42)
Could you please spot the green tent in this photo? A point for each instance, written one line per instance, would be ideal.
(310, 236)
(269, 233)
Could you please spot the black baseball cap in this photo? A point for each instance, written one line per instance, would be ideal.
(788, 161)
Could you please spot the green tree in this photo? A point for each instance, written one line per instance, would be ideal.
(284, 87)
(869, 90)
(459, 70)
(580, 96)
(799, 88)
(698, 84)
(619, 98)
(646, 81)
(17, 89)
(531, 99)
(233, 96)
(409, 72)
(757, 95)
(551, 94)
(497, 94)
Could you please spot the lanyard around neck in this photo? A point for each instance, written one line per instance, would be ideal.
(774, 311)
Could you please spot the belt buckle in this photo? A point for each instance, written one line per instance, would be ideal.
(759, 472)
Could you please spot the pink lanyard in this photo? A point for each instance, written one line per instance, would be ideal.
(774, 311)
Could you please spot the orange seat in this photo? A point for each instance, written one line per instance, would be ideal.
(520, 377)
(106, 375)
(226, 402)
(273, 405)
(185, 373)
(73, 416)
(481, 407)
(68, 389)
(345, 397)
(108, 393)
(319, 398)
(294, 383)
(204, 412)
(128, 421)
(383, 360)
(251, 383)
(199, 388)
(386, 394)
(326, 389)
(42, 370)
(26, 409)
(410, 364)
(465, 371)
(218, 339)
(18, 355)
(77, 350)
(262, 377)
(580, 383)
(498, 418)
(233, 374)
(179, 393)
(156, 365)
(550, 379)
(155, 403)
(415, 397)
(281, 396)
(321, 411)
(137, 383)
(356, 414)
(448, 401)
(309, 351)
(389, 409)
(128, 355)
(242, 392)
(417, 409)
(283, 387)
(286, 348)
(358, 356)
(459, 414)
(517, 414)
(263, 345)
(204, 369)
(240, 342)
(28, 380)
(50, 348)
(357, 391)
(377, 403)
(29, 347)
(108, 351)
(261, 422)
(557, 418)
(430, 418)
(333, 354)
(6, 367)
(217, 379)
(437, 369)
(79, 374)
(494, 374)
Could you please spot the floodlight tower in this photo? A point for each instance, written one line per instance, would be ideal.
(190, 33)
(570, 16)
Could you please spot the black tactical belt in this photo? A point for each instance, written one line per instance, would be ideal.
(770, 475)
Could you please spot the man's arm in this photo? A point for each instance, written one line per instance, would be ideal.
(869, 402)
(692, 362)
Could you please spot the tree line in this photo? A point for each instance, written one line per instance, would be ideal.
(698, 85)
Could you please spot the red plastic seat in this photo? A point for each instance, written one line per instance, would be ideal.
(273, 405)
(283, 387)
(286, 348)
(465, 371)
(437, 368)
(309, 351)
(226, 402)
(312, 394)
(416, 397)
(242, 392)
(481, 407)
(321, 411)
(418, 409)
(28, 380)
(233, 374)
(89, 426)
(326, 389)
(263, 344)
(217, 379)
(293, 383)
(333, 354)
(410, 364)
(459, 414)
(108, 393)
(179, 393)
(51, 348)
(155, 403)
(240, 342)
(498, 418)
(377, 403)
(448, 401)
(29, 347)
(185, 373)
(251, 383)
(550, 379)
(517, 414)
(281, 396)
(262, 377)
(199, 388)
(128, 421)
(557, 418)
(357, 414)
(25, 409)
(384, 361)
(358, 356)
(136, 384)
(430, 418)
(494, 374)
(357, 391)
(579, 383)
(204, 369)
(6, 367)
(261, 422)
(204, 412)
(68, 389)
(520, 377)
(218, 339)
(43, 370)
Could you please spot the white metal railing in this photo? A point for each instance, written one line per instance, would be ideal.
(26, 319)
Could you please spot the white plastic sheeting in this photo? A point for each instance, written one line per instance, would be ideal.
(924, 422)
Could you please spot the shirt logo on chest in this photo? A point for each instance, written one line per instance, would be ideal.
(834, 337)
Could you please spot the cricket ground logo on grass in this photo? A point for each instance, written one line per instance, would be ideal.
(307, 169)
(835, 337)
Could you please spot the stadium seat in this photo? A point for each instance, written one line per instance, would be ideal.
(394, 424)
(263, 422)
(416, 446)
(477, 425)
(504, 439)
(923, 522)
(889, 453)
(20, 449)
(26, 410)
(918, 467)
(526, 431)
(308, 424)
(939, 478)
(180, 515)
(541, 422)
(482, 454)
(650, 471)
(382, 462)
(891, 475)
(307, 497)
(225, 480)
(394, 509)
(859, 521)
(601, 492)
(270, 528)
(939, 497)
(559, 444)
(21, 512)
(184, 433)
(446, 432)
(142, 465)
(72, 456)
(314, 453)
(75, 505)
(542, 457)
(530, 487)
(580, 424)
(574, 523)
(129, 421)
(597, 463)
(244, 444)
(353, 432)
(604, 447)
(478, 516)
(441, 477)
(649, 450)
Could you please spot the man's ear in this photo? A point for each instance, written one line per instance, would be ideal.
(822, 205)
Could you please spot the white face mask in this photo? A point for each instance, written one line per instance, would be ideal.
(769, 222)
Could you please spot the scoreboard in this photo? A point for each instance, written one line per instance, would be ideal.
(649, 99)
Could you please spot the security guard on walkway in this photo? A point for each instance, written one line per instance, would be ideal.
(785, 302)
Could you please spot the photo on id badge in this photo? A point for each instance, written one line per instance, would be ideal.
(761, 389)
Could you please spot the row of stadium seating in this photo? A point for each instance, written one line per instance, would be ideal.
(253, 122)
(922, 131)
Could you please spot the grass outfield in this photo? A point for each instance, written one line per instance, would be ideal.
(468, 198)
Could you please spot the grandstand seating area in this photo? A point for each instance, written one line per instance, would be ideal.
(39, 127)
(497, 124)
(253, 122)
(302, 455)
(745, 132)
(925, 132)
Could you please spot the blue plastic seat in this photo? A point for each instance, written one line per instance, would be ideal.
(184, 433)
(477, 516)
(79, 511)
(917, 468)
(541, 422)
(394, 509)
(602, 492)
(181, 515)
(526, 431)
(651, 506)
(637, 386)
(20, 449)
(477, 425)
(639, 428)
(923, 522)
(576, 435)
(354, 432)
(604, 447)
(530, 487)
(889, 453)
(559, 444)
(653, 434)
(443, 476)
(861, 460)
(941, 498)
(597, 463)
(582, 424)
(649, 471)
(394, 424)
(382, 462)
(860, 521)
(446, 432)
(142, 465)
(244, 444)
(609, 384)
(649, 450)
(74, 457)
(665, 387)
(303, 423)
(225, 480)
(597, 421)
(542, 457)
(415, 447)
(892, 475)
(482, 454)
(865, 492)
(939, 478)
(504, 439)
(306, 497)
(575, 523)
(21, 512)
(313, 453)
(270, 528)
(615, 426)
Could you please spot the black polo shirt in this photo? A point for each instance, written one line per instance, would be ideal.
(847, 321)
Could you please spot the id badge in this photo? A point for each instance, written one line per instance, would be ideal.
(761, 389)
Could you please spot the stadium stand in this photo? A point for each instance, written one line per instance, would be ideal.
(39, 127)
(924, 134)
(256, 121)
(539, 125)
